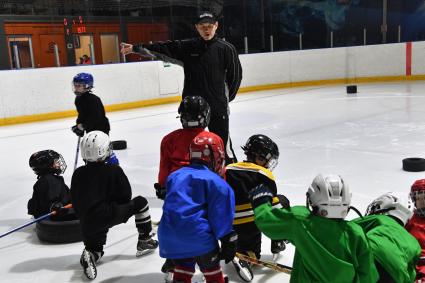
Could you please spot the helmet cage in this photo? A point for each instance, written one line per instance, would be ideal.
(418, 198)
(59, 164)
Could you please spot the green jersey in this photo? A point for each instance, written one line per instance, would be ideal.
(327, 250)
(392, 246)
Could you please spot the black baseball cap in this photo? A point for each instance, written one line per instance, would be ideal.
(206, 17)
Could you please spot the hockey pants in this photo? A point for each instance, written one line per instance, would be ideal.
(139, 207)
(209, 264)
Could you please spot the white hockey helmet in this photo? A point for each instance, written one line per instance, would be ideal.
(329, 196)
(394, 204)
(95, 146)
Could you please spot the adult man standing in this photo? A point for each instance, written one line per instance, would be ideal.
(212, 70)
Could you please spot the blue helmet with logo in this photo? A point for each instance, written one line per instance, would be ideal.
(82, 82)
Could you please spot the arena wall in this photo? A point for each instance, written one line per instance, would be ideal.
(39, 94)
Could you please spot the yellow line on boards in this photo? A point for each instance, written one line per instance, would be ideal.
(172, 99)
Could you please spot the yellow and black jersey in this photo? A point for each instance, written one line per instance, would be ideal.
(243, 177)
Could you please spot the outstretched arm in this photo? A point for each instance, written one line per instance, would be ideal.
(172, 49)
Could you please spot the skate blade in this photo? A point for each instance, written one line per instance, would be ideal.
(90, 273)
(144, 252)
(226, 279)
(89, 270)
(244, 273)
(169, 277)
(276, 257)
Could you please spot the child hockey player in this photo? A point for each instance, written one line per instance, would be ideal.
(101, 196)
(261, 158)
(91, 113)
(416, 225)
(394, 249)
(328, 248)
(50, 191)
(194, 116)
(198, 211)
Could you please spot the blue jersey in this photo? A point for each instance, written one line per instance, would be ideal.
(198, 210)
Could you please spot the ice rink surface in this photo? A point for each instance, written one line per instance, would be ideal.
(362, 137)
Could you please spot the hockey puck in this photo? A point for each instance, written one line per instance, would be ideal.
(59, 232)
(414, 164)
(351, 89)
(118, 145)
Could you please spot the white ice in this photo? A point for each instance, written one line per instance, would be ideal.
(363, 137)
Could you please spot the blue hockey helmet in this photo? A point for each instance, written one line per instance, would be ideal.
(82, 82)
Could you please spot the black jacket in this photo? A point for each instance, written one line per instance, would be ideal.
(96, 189)
(91, 113)
(212, 68)
(48, 189)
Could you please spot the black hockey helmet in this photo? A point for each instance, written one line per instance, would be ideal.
(47, 161)
(263, 148)
(194, 112)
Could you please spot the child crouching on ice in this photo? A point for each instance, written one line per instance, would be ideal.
(101, 197)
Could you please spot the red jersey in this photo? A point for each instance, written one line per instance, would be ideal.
(175, 151)
(416, 227)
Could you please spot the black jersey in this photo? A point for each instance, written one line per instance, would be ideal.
(243, 177)
(48, 189)
(96, 189)
(91, 113)
(212, 68)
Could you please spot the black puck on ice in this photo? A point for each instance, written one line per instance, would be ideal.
(351, 89)
(414, 164)
(118, 145)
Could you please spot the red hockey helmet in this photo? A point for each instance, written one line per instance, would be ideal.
(417, 194)
(418, 185)
(209, 148)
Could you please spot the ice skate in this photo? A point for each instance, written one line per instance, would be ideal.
(169, 276)
(243, 269)
(276, 248)
(88, 262)
(168, 268)
(146, 245)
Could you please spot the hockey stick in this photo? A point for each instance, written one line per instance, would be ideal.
(76, 153)
(275, 266)
(33, 221)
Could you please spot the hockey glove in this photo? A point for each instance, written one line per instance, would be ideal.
(59, 209)
(277, 246)
(259, 195)
(112, 159)
(284, 201)
(228, 246)
(160, 191)
(78, 130)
